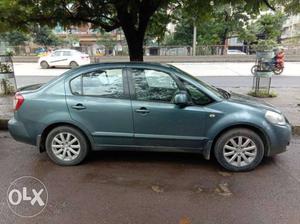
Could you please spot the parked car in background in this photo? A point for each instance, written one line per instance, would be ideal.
(146, 106)
(40, 52)
(64, 58)
(236, 52)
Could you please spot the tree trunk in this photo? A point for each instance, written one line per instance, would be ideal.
(135, 40)
(223, 42)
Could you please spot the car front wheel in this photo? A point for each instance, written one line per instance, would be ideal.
(239, 150)
(44, 65)
(66, 146)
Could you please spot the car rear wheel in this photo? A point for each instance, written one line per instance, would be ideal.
(66, 146)
(73, 64)
(239, 150)
(44, 65)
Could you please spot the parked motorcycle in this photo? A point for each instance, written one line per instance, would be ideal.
(277, 68)
(275, 64)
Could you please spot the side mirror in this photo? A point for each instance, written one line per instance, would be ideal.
(181, 99)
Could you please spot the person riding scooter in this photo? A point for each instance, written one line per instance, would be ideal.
(279, 58)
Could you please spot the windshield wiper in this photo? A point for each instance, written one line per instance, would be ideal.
(226, 94)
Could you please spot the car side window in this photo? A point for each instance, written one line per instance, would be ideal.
(56, 53)
(67, 53)
(153, 85)
(198, 97)
(102, 83)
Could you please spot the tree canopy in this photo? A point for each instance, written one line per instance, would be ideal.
(133, 16)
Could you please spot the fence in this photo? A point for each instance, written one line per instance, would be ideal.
(122, 50)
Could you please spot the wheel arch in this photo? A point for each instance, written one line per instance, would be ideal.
(253, 128)
(46, 131)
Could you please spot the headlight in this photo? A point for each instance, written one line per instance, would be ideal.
(275, 118)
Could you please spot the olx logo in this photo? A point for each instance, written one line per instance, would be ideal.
(27, 196)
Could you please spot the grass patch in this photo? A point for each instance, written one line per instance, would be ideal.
(263, 94)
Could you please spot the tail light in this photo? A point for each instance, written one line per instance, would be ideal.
(18, 101)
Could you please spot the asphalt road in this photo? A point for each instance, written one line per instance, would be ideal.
(229, 75)
(220, 81)
(139, 187)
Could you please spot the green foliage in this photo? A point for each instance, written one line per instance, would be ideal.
(43, 35)
(182, 36)
(262, 94)
(14, 38)
(265, 45)
(157, 27)
(267, 27)
(131, 15)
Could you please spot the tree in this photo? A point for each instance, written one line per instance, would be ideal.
(266, 27)
(44, 36)
(132, 16)
(14, 38)
(182, 35)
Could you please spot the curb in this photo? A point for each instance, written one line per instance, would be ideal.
(4, 126)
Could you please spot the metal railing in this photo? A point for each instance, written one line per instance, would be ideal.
(122, 50)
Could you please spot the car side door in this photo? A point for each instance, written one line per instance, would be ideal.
(157, 120)
(66, 58)
(55, 58)
(99, 100)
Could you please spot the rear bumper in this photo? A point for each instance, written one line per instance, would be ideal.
(18, 131)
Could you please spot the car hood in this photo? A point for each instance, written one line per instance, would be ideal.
(252, 101)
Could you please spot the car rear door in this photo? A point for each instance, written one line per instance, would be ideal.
(99, 100)
(158, 121)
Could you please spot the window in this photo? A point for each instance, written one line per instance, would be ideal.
(152, 85)
(197, 96)
(56, 53)
(107, 83)
(67, 53)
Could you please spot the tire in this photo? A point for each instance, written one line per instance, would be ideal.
(224, 148)
(66, 157)
(44, 65)
(254, 69)
(278, 71)
(74, 64)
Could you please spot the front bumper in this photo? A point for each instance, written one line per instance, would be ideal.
(279, 139)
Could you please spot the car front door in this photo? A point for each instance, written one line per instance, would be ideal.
(55, 58)
(158, 121)
(99, 100)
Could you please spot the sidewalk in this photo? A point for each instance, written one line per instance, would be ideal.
(288, 101)
(6, 110)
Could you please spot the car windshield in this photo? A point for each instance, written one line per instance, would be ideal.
(218, 91)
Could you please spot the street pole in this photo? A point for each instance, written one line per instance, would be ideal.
(194, 39)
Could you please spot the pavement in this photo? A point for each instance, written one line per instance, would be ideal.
(149, 187)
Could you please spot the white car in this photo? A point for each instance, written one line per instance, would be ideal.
(236, 52)
(64, 58)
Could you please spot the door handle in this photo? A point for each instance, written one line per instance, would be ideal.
(142, 110)
(78, 106)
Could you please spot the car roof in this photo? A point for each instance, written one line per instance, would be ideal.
(117, 64)
(66, 50)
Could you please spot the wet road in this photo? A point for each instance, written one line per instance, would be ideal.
(139, 187)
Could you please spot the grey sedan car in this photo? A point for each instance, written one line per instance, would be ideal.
(146, 106)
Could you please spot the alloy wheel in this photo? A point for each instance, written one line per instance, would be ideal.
(65, 146)
(240, 151)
